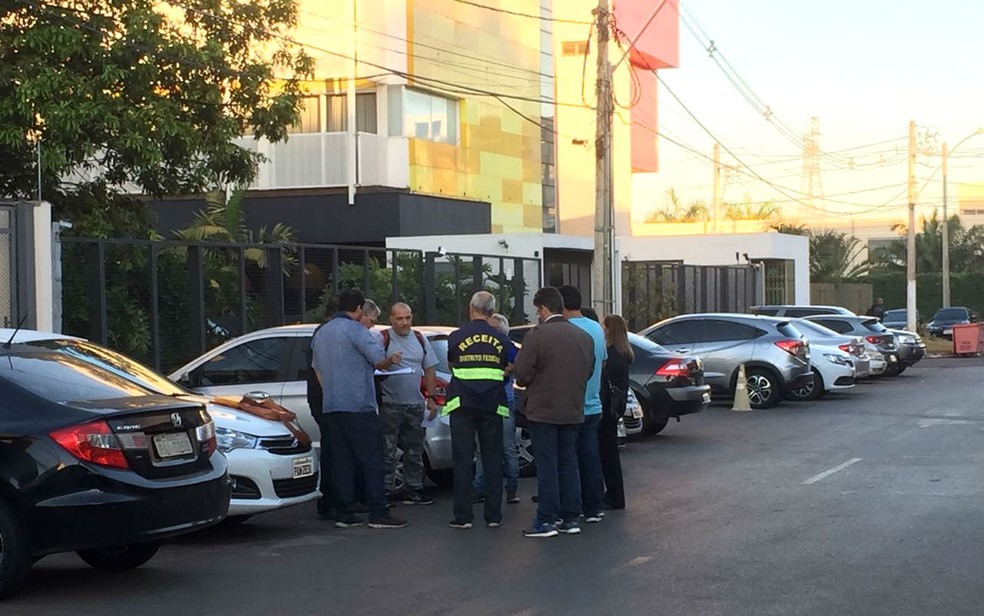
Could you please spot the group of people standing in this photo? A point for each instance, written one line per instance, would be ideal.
(575, 374)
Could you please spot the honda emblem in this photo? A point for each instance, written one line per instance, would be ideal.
(176, 419)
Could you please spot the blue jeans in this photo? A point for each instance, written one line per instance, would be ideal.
(558, 483)
(510, 461)
(357, 445)
(589, 465)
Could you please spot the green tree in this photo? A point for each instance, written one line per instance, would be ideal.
(675, 211)
(836, 257)
(142, 92)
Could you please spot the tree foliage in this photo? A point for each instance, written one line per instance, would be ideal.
(966, 248)
(836, 257)
(122, 92)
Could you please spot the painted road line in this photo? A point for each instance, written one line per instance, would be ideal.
(831, 471)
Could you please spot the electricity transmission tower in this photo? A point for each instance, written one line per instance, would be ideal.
(812, 186)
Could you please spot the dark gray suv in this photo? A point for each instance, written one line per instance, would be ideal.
(775, 354)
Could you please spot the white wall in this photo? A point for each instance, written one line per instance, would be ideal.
(43, 275)
(720, 250)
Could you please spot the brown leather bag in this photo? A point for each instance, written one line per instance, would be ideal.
(268, 409)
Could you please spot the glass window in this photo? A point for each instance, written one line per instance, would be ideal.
(789, 330)
(875, 326)
(715, 331)
(61, 378)
(440, 346)
(309, 120)
(644, 345)
(256, 361)
(836, 325)
(950, 314)
(337, 114)
(430, 117)
(365, 113)
(681, 332)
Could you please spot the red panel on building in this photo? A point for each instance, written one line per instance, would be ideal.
(658, 46)
(645, 155)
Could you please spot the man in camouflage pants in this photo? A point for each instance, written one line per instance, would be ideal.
(404, 405)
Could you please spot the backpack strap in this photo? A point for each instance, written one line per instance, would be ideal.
(420, 339)
(386, 340)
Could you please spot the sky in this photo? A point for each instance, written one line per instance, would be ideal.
(863, 67)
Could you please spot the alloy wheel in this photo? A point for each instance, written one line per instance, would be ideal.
(759, 389)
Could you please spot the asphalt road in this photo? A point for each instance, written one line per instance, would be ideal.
(868, 502)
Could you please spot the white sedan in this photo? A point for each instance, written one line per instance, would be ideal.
(833, 369)
(269, 468)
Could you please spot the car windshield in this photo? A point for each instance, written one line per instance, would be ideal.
(950, 314)
(114, 362)
(895, 315)
(809, 327)
(875, 326)
(61, 377)
(440, 346)
(789, 330)
(645, 344)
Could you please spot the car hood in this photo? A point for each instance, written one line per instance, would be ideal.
(241, 421)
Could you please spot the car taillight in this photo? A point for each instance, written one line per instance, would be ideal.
(205, 434)
(847, 348)
(440, 391)
(92, 442)
(874, 339)
(673, 369)
(793, 347)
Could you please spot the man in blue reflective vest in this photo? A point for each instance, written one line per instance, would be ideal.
(478, 355)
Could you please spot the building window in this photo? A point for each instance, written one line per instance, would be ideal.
(365, 113)
(309, 120)
(431, 117)
(574, 48)
(779, 281)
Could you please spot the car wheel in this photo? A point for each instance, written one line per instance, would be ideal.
(15, 558)
(653, 425)
(442, 478)
(810, 391)
(120, 558)
(763, 388)
(527, 466)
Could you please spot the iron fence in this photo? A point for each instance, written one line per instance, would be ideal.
(167, 301)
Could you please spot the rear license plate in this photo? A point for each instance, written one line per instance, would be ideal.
(303, 467)
(706, 397)
(947, 332)
(173, 445)
(637, 412)
(892, 359)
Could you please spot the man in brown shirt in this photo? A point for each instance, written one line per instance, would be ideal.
(554, 365)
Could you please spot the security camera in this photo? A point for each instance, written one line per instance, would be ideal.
(441, 251)
(503, 243)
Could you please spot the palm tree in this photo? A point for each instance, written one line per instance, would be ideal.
(835, 257)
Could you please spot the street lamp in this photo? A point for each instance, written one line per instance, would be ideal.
(946, 220)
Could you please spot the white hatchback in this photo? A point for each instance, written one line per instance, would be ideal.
(269, 468)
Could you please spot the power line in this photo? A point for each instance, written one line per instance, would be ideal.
(526, 15)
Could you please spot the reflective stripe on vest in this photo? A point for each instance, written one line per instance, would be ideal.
(451, 405)
(503, 411)
(479, 374)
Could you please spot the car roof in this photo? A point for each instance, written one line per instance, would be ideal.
(730, 315)
(842, 317)
(31, 335)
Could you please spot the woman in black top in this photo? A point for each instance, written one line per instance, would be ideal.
(614, 389)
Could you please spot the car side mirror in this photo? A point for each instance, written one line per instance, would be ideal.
(193, 378)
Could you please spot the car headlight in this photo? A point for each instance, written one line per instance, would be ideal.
(838, 359)
(233, 439)
(907, 339)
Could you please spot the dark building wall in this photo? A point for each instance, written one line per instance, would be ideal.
(326, 218)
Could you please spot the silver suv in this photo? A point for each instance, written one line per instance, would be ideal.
(775, 354)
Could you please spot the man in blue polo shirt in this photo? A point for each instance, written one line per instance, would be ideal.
(345, 356)
(588, 455)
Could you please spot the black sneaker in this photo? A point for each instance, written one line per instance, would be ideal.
(417, 498)
(459, 524)
(348, 521)
(568, 528)
(512, 498)
(387, 522)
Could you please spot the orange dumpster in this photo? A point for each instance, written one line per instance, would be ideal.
(967, 339)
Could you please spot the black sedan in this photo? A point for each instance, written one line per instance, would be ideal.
(945, 318)
(666, 384)
(92, 463)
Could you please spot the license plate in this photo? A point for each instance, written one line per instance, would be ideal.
(947, 332)
(892, 359)
(303, 467)
(706, 397)
(173, 445)
(637, 412)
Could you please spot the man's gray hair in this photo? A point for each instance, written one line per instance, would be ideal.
(500, 322)
(484, 303)
(370, 309)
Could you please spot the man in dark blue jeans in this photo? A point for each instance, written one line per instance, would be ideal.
(554, 365)
(344, 357)
(588, 453)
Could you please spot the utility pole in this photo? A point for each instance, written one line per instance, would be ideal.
(717, 185)
(910, 260)
(602, 279)
(946, 237)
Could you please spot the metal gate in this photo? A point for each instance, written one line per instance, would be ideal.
(8, 265)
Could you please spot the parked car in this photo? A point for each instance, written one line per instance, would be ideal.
(268, 467)
(92, 463)
(911, 347)
(837, 361)
(275, 361)
(898, 318)
(666, 384)
(775, 354)
(943, 321)
(872, 330)
(791, 311)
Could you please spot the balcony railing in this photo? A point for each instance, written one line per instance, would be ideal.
(320, 160)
